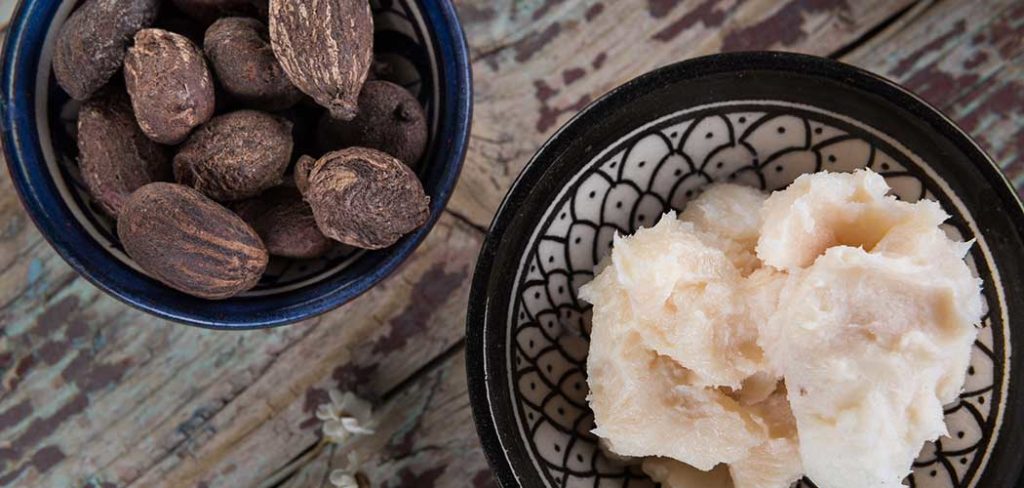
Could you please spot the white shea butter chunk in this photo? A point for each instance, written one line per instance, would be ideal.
(751, 341)
(874, 334)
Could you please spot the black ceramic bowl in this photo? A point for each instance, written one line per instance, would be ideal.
(761, 119)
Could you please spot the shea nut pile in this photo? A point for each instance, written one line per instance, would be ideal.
(192, 130)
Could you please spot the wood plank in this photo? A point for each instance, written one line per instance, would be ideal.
(424, 439)
(173, 406)
(963, 60)
(528, 83)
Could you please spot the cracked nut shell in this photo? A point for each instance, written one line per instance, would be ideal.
(302, 168)
(115, 157)
(365, 198)
(169, 84)
(240, 54)
(285, 223)
(236, 155)
(390, 119)
(189, 242)
(91, 45)
(325, 47)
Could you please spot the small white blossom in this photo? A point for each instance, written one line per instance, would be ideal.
(345, 416)
(346, 478)
(343, 479)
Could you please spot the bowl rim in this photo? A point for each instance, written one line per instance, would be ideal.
(480, 299)
(20, 144)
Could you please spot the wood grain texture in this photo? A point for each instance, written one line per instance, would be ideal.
(96, 394)
(544, 65)
(930, 46)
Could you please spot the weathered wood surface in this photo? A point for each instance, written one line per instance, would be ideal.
(93, 393)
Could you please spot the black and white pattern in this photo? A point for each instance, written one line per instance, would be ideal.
(400, 41)
(660, 167)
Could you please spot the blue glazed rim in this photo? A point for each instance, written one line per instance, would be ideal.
(19, 138)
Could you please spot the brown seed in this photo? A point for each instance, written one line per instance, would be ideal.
(325, 47)
(239, 52)
(189, 242)
(115, 157)
(236, 155)
(285, 223)
(207, 11)
(365, 198)
(302, 168)
(91, 44)
(390, 119)
(169, 84)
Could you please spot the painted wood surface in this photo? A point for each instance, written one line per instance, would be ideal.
(95, 394)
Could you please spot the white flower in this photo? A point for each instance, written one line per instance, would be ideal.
(343, 479)
(345, 416)
(346, 478)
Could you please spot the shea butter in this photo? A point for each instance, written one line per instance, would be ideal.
(756, 339)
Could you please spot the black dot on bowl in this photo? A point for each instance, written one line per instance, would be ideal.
(576, 386)
(579, 458)
(551, 325)
(673, 135)
(551, 259)
(885, 166)
(561, 411)
(719, 165)
(640, 218)
(558, 448)
(981, 400)
(689, 193)
(529, 415)
(960, 435)
(755, 162)
(536, 295)
(613, 165)
(831, 158)
(533, 386)
(817, 130)
(782, 130)
(678, 172)
(963, 460)
(743, 120)
(618, 204)
(970, 370)
(933, 473)
(593, 194)
(533, 268)
(549, 368)
(531, 343)
(561, 289)
(642, 163)
(562, 216)
(522, 315)
(577, 241)
(708, 135)
(778, 169)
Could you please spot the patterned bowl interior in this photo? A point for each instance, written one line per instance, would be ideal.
(659, 166)
(401, 41)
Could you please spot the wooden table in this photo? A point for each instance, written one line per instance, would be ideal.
(96, 394)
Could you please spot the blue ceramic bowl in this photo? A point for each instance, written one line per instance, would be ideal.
(421, 40)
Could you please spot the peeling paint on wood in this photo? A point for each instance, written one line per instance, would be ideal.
(175, 406)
